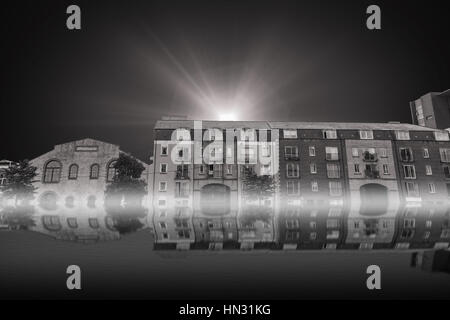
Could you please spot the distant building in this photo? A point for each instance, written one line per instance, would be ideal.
(72, 179)
(432, 110)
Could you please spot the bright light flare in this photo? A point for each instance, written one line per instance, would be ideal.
(228, 117)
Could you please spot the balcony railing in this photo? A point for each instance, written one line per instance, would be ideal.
(372, 174)
(370, 157)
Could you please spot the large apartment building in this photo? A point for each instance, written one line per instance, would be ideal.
(335, 185)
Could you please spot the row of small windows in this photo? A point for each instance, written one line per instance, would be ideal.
(293, 170)
(293, 187)
(366, 134)
(291, 152)
(53, 170)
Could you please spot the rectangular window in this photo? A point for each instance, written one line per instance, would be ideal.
(265, 150)
(335, 188)
(428, 170)
(293, 188)
(290, 134)
(292, 170)
(357, 169)
(229, 168)
(162, 225)
(162, 186)
(355, 152)
(290, 152)
(445, 154)
(201, 169)
(314, 186)
(385, 169)
(312, 151)
(163, 168)
(313, 168)
(441, 136)
(406, 154)
(182, 171)
(181, 189)
(426, 153)
(409, 171)
(446, 171)
(428, 224)
(332, 153)
(329, 134)
(333, 171)
(412, 189)
(432, 187)
(164, 150)
(402, 135)
(383, 152)
(366, 134)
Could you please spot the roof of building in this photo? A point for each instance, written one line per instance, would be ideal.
(189, 124)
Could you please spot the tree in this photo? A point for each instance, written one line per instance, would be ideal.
(256, 188)
(123, 196)
(19, 181)
(19, 186)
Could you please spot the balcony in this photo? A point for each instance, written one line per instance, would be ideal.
(181, 176)
(291, 157)
(370, 157)
(372, 174)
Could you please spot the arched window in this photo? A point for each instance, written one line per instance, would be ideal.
(73, 172)
(95, 170)
(52, 172)
(111, 171)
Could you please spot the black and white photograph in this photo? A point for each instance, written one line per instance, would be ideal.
(225, 155)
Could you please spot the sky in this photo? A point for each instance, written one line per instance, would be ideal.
(136, 61)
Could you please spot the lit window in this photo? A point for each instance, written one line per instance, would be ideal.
(355, 152)
(332, 153)
(402, 135)
(366, 134)
(428, 170)
(329, 134)
(290, 134)
(441, 136)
